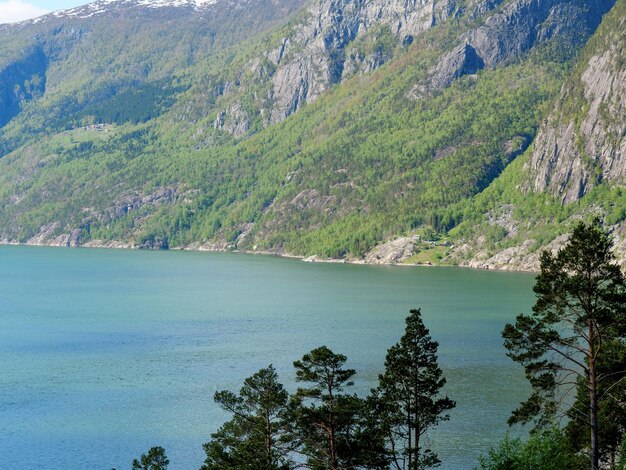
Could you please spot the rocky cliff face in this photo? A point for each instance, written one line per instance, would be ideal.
(514, 29)
(315, 58)
(583, 142)
(315, 54)
(332, 41)
(276, 189)
(579, 146)
(321, 52)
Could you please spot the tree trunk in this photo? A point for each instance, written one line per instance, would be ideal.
(416, 411)
(410, 442)
(612, 460)
(334, 464)
(394, 452)
(333, 452)
(268, 442)
(593, 401)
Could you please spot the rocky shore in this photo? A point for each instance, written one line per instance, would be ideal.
(393, 253)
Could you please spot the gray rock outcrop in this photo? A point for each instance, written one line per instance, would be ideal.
(392, 252)
(312, 57)
(515, 258)
(514, 29)
(463, 60)
(315, 54)
(583, 144)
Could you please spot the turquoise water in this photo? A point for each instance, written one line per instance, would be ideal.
(105, 353)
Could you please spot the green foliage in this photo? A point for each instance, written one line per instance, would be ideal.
(368, 161)
(155, 459)
(611, 370)
(135, 105)
(255, 438)
(547, 449)
(542, 216)
(621, 463)
(408, 397)
(322, 427)
(362, 164)
(327, 421)
(581, 301)
(608, 34)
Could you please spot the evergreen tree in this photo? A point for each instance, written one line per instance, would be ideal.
(407, 399)
(254, 439)
(611, 407)
(155, 459)
(330, 425)
(580, 309)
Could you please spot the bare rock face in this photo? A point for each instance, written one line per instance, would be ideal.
(516, 258)
(392, 252)
(513, 30)
(298, 83)
(583, 144)
(619, 242)
(134, 202)
(315, 54)
(312, 57)
(45, 235)
(108, 244)
(525, 257)
(49, 236)
(312, 199)
(73, 239)
(238, 121)
(463, 60)
(71, 235)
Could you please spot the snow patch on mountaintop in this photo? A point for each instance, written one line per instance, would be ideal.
(102, 6)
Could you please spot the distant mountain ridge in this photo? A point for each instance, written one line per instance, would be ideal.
(314, 128)
(101, 7)
(113, 45)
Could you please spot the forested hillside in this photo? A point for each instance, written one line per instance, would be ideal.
(573, 170)
(457, 132)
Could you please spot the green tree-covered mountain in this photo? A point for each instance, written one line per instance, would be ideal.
(471, 132)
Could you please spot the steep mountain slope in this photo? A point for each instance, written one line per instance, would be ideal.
(78, 60)
(584, 141)
(334, 40)
(350, 125)
(575, 168)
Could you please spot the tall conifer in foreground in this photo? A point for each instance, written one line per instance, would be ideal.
(332, 428)
(580, 309)
(408, 397)
(611, 364)
(254, 438)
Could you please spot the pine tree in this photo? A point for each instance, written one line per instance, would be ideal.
(407, 398)
(580, 309)
(254, 439)
(611, 365)
(155, 459)
(329, 424)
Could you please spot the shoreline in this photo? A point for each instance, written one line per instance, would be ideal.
(215, 249)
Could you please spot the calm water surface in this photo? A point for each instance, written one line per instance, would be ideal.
(106, 353)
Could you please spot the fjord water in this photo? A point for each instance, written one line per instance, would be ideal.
(105, 353)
